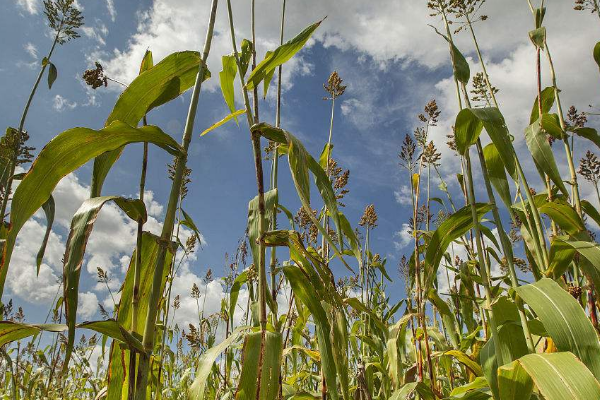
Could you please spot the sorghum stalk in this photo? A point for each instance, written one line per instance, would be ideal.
(167, 231)
(275, 167)
(482, 263)
(262, 280)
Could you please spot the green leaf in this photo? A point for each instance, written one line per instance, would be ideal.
(466, 361)
(597, 53)
(514, 382)
(223, 121)
(62, 155)
(538, 37)
(270, 198)
(282, 54)
(448, 317)
(407, 392)
(246, 55)
(189, 222)
(361, 308)
(462, 72)
(162, 83)
(49, 210)
(269, 369)
(565, 321)
(114, 330)
(119, 358)
(588, 133)
(268, 77)
(497, 173)
(301, 162)
(235, 291)
(467, 130)
(12, 331)
(451, 229)
(226, 77)
(563, 213)
(52, 74)
(542, 154)
(590, 211)
(305, 293)
(81, 229)
(560, 376)
(590, 263)
(548, 96)
(206, 361)
(147, 62)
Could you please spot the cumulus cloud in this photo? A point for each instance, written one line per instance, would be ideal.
(60, 103)
(31, 6)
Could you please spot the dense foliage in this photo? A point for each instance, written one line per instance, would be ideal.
(529, 333)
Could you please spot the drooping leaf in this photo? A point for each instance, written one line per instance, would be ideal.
(226, 77)
(565, 321)
(160, 84)
(63, 155)
(548, 97)
(497, 173)
(52, 74)
(49, 210)
(462, 72)
(270, 198)
(280, 55)
(542, 154)
(268, 77)
(81, 228)
(467, 129)
(588, 133)
(597, 54)
(189, 222)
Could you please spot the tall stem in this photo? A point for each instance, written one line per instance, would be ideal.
(13, 162)
(482, 262)
(274, 183)
(167, 231)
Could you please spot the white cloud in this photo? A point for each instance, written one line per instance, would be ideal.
(88, 305)
(404, 195)
(31, 50)
(61, 104)
(31, 6)
(110, 6)
(403, 237)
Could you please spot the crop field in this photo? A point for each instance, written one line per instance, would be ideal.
(480, 281)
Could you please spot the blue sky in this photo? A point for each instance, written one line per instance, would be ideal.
(392, 62)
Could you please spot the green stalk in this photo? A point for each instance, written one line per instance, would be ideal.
(574, 185)
(13, 162)
(539, 241)
(275, 167)
(135, 300)
(167, 231)
(482, 263)
(504, 241)
(262, 280)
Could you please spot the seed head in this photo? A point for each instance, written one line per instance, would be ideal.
(431, 155)
(577, 120)
(369, 217)
(64, 18)
(407, 153)
(334, 86)
(195, 294)
(589, 168)
(95, 77)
